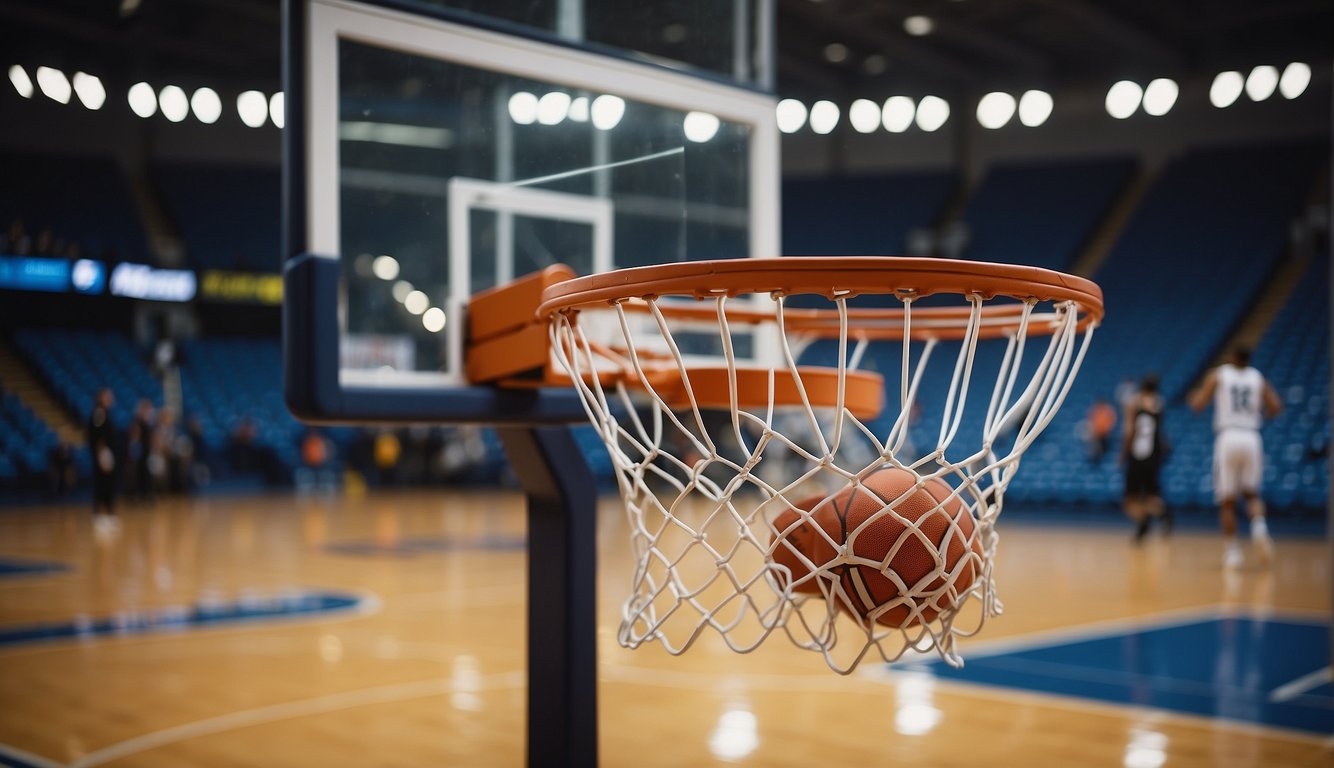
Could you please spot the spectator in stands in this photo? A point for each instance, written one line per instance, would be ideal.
(388, 450)
(17, 242)
(60, 463)
(168, 463)
(102, 442)
(45, 244)
(1099, 423)
(200, 470)
(140, 439)
(1127, 392)
(1143, 450)
(1242, 399)
(242, 448)
(314, 450)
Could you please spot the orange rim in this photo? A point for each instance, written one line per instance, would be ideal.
(863, 391)
(831, 277)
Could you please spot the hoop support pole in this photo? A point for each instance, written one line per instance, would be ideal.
(562, 598)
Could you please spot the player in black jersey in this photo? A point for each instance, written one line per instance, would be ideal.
(103, 443)
(1143, 449)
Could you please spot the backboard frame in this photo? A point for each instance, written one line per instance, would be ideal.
(315, 388)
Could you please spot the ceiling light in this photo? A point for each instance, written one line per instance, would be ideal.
(401, 290)
(54, 84)
(1034, 108)
(579, 110)
(918, 25)
(253, 108)
(206, 105)
(90, 90)
(278, 109)
(874, 64)
(1160, 95)
(416, 302)
(836, 53)
(864, 116)
(699, 127)
(173, 103)
(434, 320)
(1262, 81)
(995, 109)
(553, 107)
(143, 102)
(791, 115)
(932, 112)
(607, 111)
(1226, 89)
(1123, 99)
(1296, 76)
(898, 113)
(22, 83)
(824, 116)
(385, 267)
(523, 108)
(398, 134)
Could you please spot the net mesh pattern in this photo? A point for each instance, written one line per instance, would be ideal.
(764, 518)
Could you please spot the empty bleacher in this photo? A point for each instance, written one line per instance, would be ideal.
(74, 364)
(227, 215)
(26, 443)
(1041, 214)
(80, 199)
(227, 380)
(861, 215)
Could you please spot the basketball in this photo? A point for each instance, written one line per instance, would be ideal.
(931, 566)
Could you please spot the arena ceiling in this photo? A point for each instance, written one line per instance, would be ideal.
(835, 49)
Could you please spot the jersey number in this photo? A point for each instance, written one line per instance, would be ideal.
(1241, 399)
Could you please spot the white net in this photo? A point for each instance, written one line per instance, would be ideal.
(763, 501)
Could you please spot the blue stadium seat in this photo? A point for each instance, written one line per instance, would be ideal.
(228, 215)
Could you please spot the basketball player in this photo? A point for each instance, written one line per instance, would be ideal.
(1241, 398)
(1143, 449)
(102, 443)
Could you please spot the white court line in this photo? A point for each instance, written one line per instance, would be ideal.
(1290, 691)
(27, 757)
(1092, 630)
(1124, 711)
(287, 710)
(881, 676)
(368, 604)
(1097, 629)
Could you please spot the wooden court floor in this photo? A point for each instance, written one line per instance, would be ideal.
(428, 669)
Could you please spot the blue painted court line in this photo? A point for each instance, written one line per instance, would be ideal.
(13, 566)
(13, 758)
(203, 614)
(1224, 667)
(411, 547)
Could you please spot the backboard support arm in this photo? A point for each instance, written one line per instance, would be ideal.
(562, 594)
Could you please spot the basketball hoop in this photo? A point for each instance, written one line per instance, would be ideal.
(775, 491)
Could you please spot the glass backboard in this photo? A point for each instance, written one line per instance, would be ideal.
(429, 158)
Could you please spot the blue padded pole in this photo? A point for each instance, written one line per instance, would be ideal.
(562, 594)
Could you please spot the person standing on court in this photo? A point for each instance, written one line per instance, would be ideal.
(1242, 399)
(102, 444)
(1143, 450)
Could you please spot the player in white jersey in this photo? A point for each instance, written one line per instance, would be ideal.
(1242, 399)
